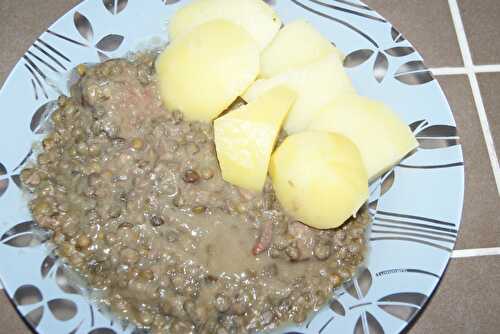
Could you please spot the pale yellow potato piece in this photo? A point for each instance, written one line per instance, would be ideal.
(255, 16)
(297, 44)
(319, 178)
(381, 136)
(245, 137)
(316, 84)
(202, 73)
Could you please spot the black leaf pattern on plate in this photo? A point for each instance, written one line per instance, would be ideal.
(170, 2)
(4, 183)
(387, 181)
(374, 327)
(437, 136)
(451, 165)
(39, 121)
(47, 265)
(413, 298)
(337, 307)
(102, 331)
(347, 10)
(396, 35)
(56, 56)
(3, 170)
(35, 58)
(406, 270)
(368, 324)
(27, 295)
(84, 27)
(62, 309)
(102, 56)
(35, 89)
(380, 67)
(66, 38)
(358, 327)
(35, 79)
(402, 305)
(353, 4)
(400, 51)
(334, 19)
(357, 57)
(360, 285)
(413, 73)
(75, 330)
(433, 137)
(372, 208)
(25, 234)
(23, 161)
(30, 295)
(438, 131)
(34, 316)
(110, 42)
(17, 180)
(68, 281)
(115, 6)
(403, 312)
(414, 222)
(417, 124)
(36, 72)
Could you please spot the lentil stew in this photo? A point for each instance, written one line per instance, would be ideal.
(135, 198)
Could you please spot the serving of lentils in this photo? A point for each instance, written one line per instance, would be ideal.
(137, 206)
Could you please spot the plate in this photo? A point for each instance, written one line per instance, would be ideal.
(416, 207)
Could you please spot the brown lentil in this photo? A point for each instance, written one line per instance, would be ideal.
(157, 221)
(191, 176)
(138, 206)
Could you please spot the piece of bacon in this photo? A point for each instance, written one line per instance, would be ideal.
(265, 238)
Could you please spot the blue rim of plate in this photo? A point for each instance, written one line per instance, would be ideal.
(416, 207)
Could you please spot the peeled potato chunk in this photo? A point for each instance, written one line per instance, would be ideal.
(255, 16)
(319, 178)
(316, 84)
(297, 44)
(245, 138)
(202, 73)
(381, 136)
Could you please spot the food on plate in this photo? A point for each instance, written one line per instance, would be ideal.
(319, 178)
(255, 16)
(297, 44)
(245, 137)
(316, 84)
(203, 72)
(166, 208)
(135, 199)
(381, 136)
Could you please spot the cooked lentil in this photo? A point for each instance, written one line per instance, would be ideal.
(135, 198)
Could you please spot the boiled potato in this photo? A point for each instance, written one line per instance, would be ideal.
(203, 72)
(297, 44)
(245, 137)
(381, 136)
(319, 178)
(255, 16)
(316, 84)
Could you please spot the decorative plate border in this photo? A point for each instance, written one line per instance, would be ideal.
(416, 207)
